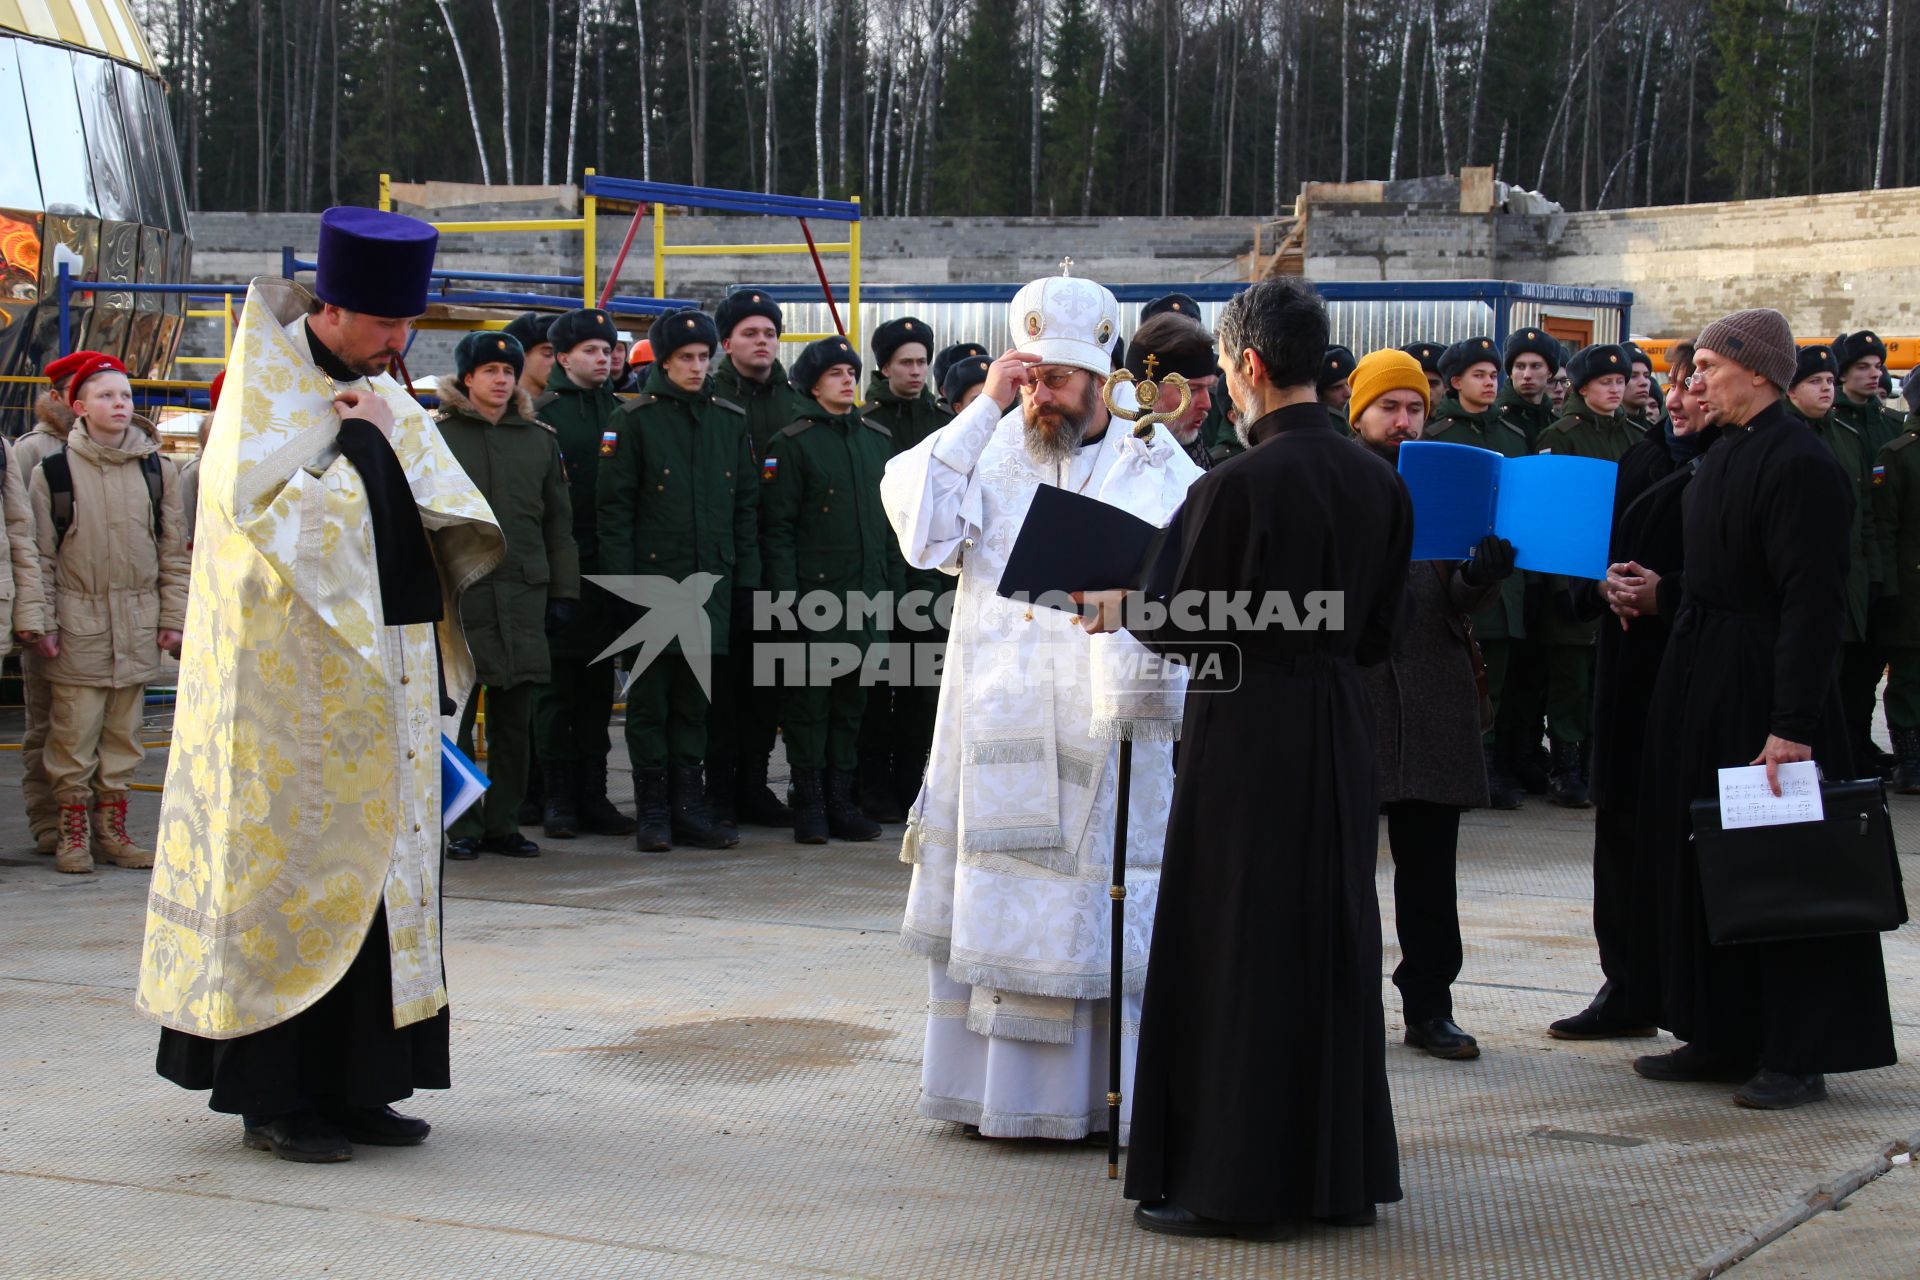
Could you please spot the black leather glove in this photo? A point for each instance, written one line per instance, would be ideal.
(559, 614)
(1492, 562)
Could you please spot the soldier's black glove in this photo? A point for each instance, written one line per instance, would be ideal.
(1492, 562)
(559, 614)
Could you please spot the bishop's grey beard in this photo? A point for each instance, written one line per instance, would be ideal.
(1055, 430)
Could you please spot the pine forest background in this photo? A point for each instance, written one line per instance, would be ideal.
(1065, 107)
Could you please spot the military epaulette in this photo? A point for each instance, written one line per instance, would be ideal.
(1899, 441)
(639, 400)
(881, 427)
(796, 428)
(1502, 422)
(546, 398)
(1849, 428)
(1638, 425)
(875, 407)
(546, 427)
(729, 406)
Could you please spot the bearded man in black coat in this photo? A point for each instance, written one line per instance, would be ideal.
(1260, 1099)
(1750, 668)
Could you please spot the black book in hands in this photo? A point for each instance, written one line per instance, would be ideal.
(1070, 542)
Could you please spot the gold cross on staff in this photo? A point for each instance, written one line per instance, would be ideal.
(1153, 362)
(1066, 266)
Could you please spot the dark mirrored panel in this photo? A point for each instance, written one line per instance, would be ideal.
(99, 93)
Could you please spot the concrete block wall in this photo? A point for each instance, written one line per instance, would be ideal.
(1830, 263)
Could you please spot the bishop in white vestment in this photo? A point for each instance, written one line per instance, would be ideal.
(1011, 837)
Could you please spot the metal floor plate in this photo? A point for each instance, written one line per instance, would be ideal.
(707, 1064)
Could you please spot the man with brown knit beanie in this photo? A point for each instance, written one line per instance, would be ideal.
(1748, 678)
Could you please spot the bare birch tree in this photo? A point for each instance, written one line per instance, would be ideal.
(466, 83)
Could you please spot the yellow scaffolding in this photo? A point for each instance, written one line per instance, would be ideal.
(584, 224)
(849, 247)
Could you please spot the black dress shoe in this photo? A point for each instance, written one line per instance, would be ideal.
(465, 849)
(382, 1127)
(1170, 1219)
(512, 845)
(1592, 1024)
(1366, 1217)
(1771, 1090)
(305, 1137)
(1691, 1063)
(1443, 1039)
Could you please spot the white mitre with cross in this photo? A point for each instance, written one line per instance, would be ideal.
(1066, 321)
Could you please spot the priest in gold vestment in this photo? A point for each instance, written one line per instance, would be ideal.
(293, 948)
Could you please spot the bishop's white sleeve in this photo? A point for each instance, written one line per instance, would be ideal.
(930, 493)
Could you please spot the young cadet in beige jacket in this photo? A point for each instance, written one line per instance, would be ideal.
(113, 565)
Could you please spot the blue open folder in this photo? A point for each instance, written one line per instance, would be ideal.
(461, 782)
(1556, 511)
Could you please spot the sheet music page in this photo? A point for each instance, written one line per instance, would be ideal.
(1747, 801)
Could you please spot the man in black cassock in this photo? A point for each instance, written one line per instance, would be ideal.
(1748, 677)
(1260, 1098)
(1637, 599)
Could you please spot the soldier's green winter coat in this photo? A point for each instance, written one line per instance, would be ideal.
(680, 494)
(516, 465)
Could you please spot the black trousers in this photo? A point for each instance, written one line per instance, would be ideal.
(1426, 915)
(1861, 665)
(341, 1052)
(1624, 922)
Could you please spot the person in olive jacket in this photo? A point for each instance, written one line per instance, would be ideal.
(487, 420)
(822, 530)
(1810, 400)
(1594, 426)
(1896, 624)
(571, 715)
(745, 717)
(678, 495)
(1469, 414)
(896, 729)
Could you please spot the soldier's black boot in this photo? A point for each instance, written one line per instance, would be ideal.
(534, 807)
(809, 807)
(1503, 791)
(692, 821)
(1568, 788)
(1906, 774)
(877, 800)
(1528, 769)
(844, 819)
(720, 795)
(754, 800)
(561, 819)
(599, 815)
(655, 833)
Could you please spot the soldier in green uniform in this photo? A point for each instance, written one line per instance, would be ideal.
(745, 717)
(963, 382)
(896, 729)
(948, 357)
(530, 329)
(1595, 426)
(679, 495)
(1895, 489)
(1532, 359)
(1860, 362)
(1810, 399)
(487, 421)
(1467, 415)
(1642, 400)
(571, 715)
(1332, 384)
(822, 530)
(1428, 354)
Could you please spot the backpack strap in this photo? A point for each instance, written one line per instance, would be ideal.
(60, 490)
(59, 473)
(156, 489)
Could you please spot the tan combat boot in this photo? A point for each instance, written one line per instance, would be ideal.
(74, 856)
(111, 843)
(47, 839)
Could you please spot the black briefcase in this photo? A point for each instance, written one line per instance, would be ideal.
(1822, 879)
